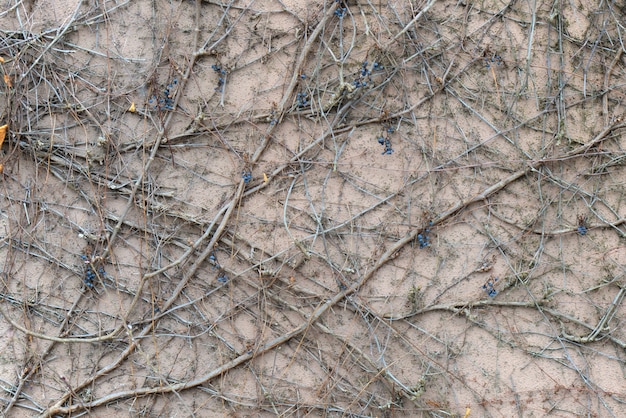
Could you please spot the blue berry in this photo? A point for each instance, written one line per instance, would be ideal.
(213, 259)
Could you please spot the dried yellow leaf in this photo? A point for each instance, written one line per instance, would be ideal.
(265, 179)
(7, 80)
(1, 60)
(132, 108)
(3, 133)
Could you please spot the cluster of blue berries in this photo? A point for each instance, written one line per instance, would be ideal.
(582, 230)
(247, 176)
(365, 75)
(386, 142)
(90, 274)
(375, 67)
(222, 278)
(302, 100)
(364, 71)
(220, 79)
(489, 287)
(494, 59)
(423, 238)
(166, 100)
(340, 12)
